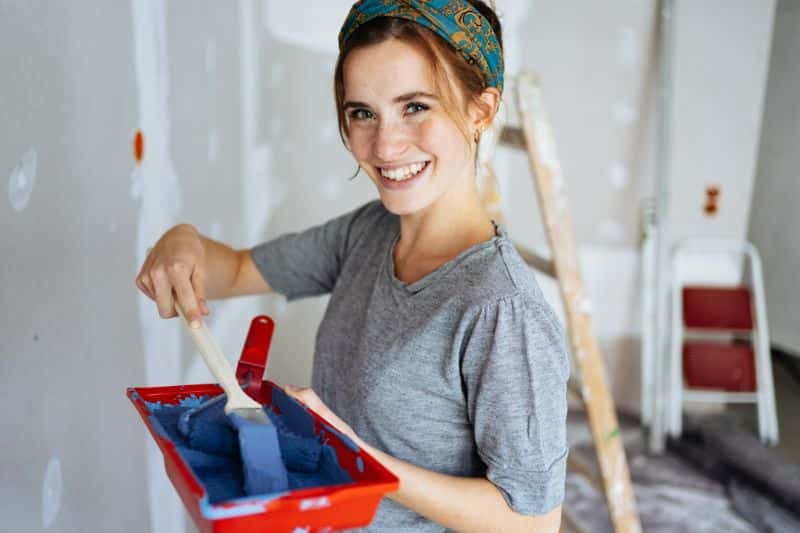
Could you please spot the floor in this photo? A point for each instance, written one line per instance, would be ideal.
(786, 375)
(670, 494)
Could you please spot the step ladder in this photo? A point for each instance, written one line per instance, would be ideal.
(719, 349)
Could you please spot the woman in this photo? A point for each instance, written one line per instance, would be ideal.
(437, 352)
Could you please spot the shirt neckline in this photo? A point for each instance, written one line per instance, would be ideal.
(416, 286)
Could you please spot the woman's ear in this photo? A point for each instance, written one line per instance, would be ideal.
(483, 111)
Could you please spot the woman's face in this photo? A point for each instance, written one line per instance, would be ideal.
(400, 133)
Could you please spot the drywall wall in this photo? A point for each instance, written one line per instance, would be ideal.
(774, 217)
(239, 138)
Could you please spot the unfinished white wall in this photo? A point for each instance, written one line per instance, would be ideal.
(240, 139)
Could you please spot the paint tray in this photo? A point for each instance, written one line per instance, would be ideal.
(327, 508)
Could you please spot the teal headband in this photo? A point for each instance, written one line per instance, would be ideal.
(456, 21)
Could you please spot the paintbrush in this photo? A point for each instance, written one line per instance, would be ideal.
(264, 471)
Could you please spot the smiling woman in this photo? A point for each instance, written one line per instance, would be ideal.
(437, 353)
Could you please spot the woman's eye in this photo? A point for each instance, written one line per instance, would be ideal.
(415, 107)
(360, 114)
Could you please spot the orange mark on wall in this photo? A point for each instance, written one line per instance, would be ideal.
(138, 146)
(712, 199)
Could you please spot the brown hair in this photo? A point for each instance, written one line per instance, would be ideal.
(445, 60)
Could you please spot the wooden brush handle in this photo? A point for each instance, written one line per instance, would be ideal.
(218, 364)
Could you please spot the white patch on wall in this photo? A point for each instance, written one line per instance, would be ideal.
(211, 56)
(155, 184)
(618, 176)
(136, 183)
(52, 491)
(213, 145)
(628, 47)
(289, 22)
(22, 180)
(625, 114)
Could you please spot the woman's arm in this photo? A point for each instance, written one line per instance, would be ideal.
(231, 272)
(191, 268)
(458, 503)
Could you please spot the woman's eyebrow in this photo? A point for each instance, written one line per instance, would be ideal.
(398, 99)
(414, 95)
(348, 105)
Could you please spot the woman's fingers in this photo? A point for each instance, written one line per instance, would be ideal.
(199, 286)
(142, 282)
(171, 273)
(143, 279)
(163, 290)
(188, 300)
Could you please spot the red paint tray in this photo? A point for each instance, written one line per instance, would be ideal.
(319, 509)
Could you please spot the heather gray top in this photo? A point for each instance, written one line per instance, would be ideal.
(463, 372)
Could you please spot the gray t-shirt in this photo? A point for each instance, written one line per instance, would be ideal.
(462, 372)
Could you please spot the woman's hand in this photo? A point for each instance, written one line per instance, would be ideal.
(458, 503)
(308, 397)
(175, 269)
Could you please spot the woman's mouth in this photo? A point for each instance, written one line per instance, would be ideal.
(403, 177)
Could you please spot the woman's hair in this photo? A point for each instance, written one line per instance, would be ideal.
(447, 63)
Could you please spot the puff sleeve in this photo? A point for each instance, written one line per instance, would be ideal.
(308, 263)
(515, 369)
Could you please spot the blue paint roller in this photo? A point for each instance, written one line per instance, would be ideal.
(264, 471)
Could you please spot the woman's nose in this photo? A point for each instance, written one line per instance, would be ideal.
(390, 142)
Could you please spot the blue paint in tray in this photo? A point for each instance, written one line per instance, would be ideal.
(212, 451)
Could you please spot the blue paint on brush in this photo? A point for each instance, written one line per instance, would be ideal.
(206, 430)
(264, 471)
(212, 452)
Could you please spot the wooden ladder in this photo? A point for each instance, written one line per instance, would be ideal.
(535, 137)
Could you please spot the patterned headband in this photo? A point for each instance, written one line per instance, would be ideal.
(456, 21)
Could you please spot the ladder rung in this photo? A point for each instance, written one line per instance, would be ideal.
(713, 396)
(513, 137)
(716, 334)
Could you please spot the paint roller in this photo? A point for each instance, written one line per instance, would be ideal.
(259, 448)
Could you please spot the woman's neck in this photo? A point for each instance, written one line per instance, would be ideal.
(431, 237)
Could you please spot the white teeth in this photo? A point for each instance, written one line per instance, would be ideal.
(402, 173)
